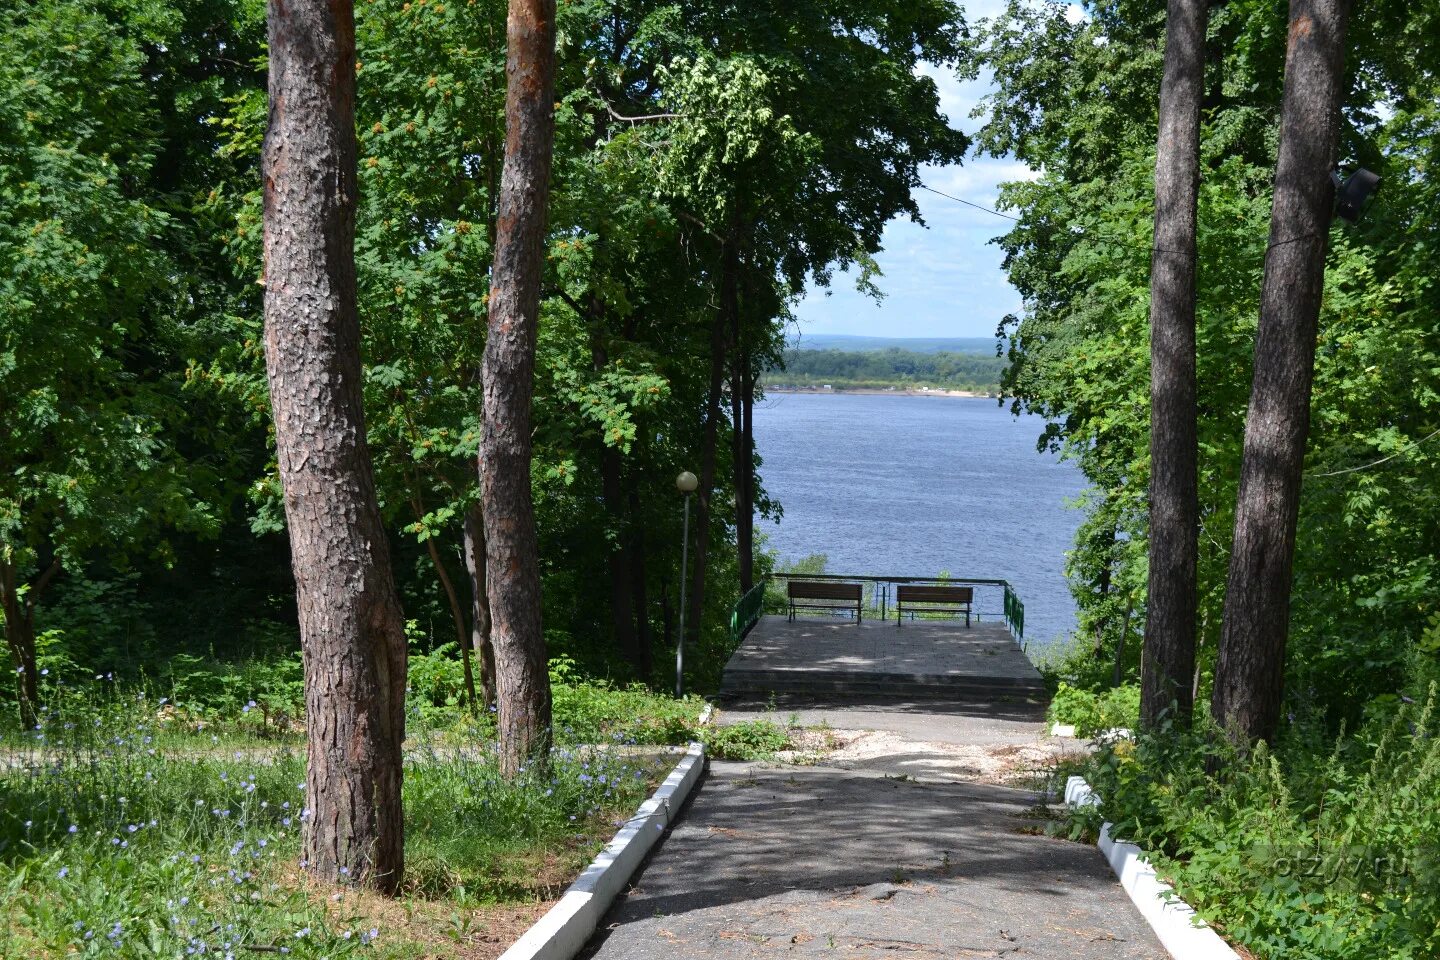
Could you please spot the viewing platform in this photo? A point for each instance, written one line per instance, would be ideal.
(931, 657)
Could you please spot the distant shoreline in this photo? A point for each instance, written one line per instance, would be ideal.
(883, 392)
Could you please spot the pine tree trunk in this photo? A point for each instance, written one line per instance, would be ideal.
(695, 599)
(1249, 677)
(479, 602)
(1174, 498)
(351, 628)
(513, 563)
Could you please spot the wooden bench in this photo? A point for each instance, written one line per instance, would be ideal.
(840, 596)
(932, 599)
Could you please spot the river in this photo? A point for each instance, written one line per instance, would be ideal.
(912, 486)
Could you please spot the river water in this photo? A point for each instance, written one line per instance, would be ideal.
(912, 486)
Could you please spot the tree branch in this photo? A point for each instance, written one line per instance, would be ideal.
(33, 599)
(640, 119)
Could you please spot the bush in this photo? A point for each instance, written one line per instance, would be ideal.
(597, 711)
(1318, 851)
(747, 740)
(1093, 711)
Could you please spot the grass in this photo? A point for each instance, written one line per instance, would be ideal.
(129, 828)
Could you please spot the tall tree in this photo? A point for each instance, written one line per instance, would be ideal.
(1169, 660)
(351, 628)
(1250, 672)
(513, 563)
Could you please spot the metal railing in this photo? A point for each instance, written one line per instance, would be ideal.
(746, 612)
(880, 590)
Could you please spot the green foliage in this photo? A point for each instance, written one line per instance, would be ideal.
(596, 711)
(746, 740)
(1092, 711)
(85, 269)
(1319, 850)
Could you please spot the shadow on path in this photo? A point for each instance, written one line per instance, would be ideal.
(769, 860)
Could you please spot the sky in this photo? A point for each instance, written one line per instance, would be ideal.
(943, 279)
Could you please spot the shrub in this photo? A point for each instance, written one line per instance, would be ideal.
(1300, 854)
(747, 740)
(1093, 711)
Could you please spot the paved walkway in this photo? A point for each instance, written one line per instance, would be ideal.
(899, 856)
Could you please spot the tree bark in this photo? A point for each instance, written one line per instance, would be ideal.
(695, 600)
(512, 551)
(1174, 498)
(1249, 678)
(746, 534)
(742, 463)
(351, 627)
(479, 602)
(457, 617)
(639, 587)
(20, 637)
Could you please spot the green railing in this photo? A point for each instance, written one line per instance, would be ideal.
(746, 612)
(1015, 614)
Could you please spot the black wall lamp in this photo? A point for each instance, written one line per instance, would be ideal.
(1352, 192)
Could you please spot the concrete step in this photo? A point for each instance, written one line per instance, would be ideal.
(931, 686)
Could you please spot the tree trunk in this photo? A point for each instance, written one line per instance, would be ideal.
(1103, 584)
(457, 617)
(639, 589)
(617, 556)
(352, 631)
(742, 465)
(20, 640)
(479, 602)
(746, 533)
(1174, 498)
(695, 600)
(513, 563)
(1250, 673)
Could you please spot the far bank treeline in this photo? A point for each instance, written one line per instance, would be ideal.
(892, 367)
(709, 162)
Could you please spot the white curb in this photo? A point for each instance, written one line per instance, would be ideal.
(1173, 920)
(565, 928)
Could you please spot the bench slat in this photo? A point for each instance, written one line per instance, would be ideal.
(818, 590)
(934, 594)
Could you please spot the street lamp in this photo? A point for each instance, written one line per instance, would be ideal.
(686, 483)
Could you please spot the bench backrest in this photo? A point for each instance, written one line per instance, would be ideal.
(822, 590)
(907, 592)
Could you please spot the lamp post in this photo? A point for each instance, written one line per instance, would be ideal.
(686, 484)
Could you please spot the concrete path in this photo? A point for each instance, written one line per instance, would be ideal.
(895, 854)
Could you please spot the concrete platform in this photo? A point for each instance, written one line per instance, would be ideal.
(975, 668)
